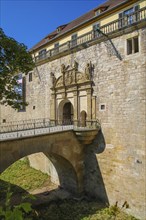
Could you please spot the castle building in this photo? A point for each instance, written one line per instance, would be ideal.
(94, 68)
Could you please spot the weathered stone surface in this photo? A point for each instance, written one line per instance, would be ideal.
(62, 148)
(118, 173)
(41, 162)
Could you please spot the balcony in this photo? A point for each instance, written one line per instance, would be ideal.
(83, 41)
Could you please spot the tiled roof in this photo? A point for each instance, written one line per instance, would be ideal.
(89, 15)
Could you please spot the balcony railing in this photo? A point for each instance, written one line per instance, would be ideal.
(109, 28)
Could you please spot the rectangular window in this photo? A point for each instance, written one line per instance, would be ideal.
(129, 46)
(30, 77)
(132, 45)
(128, 17)
(23, 107)
(95, 30)
(56, 48)
(102, 107)
(136, 44)
(21, 90)
(42, 54)
(74, 40)
(137, 15)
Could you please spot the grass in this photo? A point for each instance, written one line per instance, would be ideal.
(22, 175)
(83, 210)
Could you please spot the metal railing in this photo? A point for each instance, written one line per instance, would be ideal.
(109, 28)
(42, 126)
(45, 123)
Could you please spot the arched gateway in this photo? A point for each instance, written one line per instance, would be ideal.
(65, 112)
(72, 99)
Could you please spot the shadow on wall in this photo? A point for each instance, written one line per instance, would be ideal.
(93, 181)
(66, 173)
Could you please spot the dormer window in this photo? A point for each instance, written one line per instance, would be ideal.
(58, 29)
(97, 12)
(100, 10)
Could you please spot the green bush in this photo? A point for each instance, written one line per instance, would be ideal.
(14, 212)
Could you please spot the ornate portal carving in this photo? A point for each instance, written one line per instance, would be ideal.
(73, 86)
(71, 76)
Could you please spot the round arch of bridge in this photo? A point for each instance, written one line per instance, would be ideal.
(66, 173)
(65, 112)
(67, 177)
(63, 149)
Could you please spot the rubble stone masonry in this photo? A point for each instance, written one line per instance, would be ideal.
(120, 90)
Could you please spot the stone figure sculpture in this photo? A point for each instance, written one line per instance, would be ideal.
(88, 70)
(76, 65)
(53, 79)
(63, 68)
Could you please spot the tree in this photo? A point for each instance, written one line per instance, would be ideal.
(14, 59)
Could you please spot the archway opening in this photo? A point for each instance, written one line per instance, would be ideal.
(67, 113)
(83, 116)
(54, 172)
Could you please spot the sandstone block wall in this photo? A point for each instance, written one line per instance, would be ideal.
(120, 87)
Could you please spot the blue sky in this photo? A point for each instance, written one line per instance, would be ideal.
(31, 20)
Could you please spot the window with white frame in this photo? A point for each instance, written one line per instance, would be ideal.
(132, 45)
(102, 107)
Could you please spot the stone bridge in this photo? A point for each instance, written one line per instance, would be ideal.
(65, 149)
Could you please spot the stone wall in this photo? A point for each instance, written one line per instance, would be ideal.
(120, 88)
(35, 160)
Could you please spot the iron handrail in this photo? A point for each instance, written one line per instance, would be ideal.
(46, 124)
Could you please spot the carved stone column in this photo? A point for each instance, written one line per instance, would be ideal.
(76, 107)
(93, 107)
(53, 108)
(89, 106)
